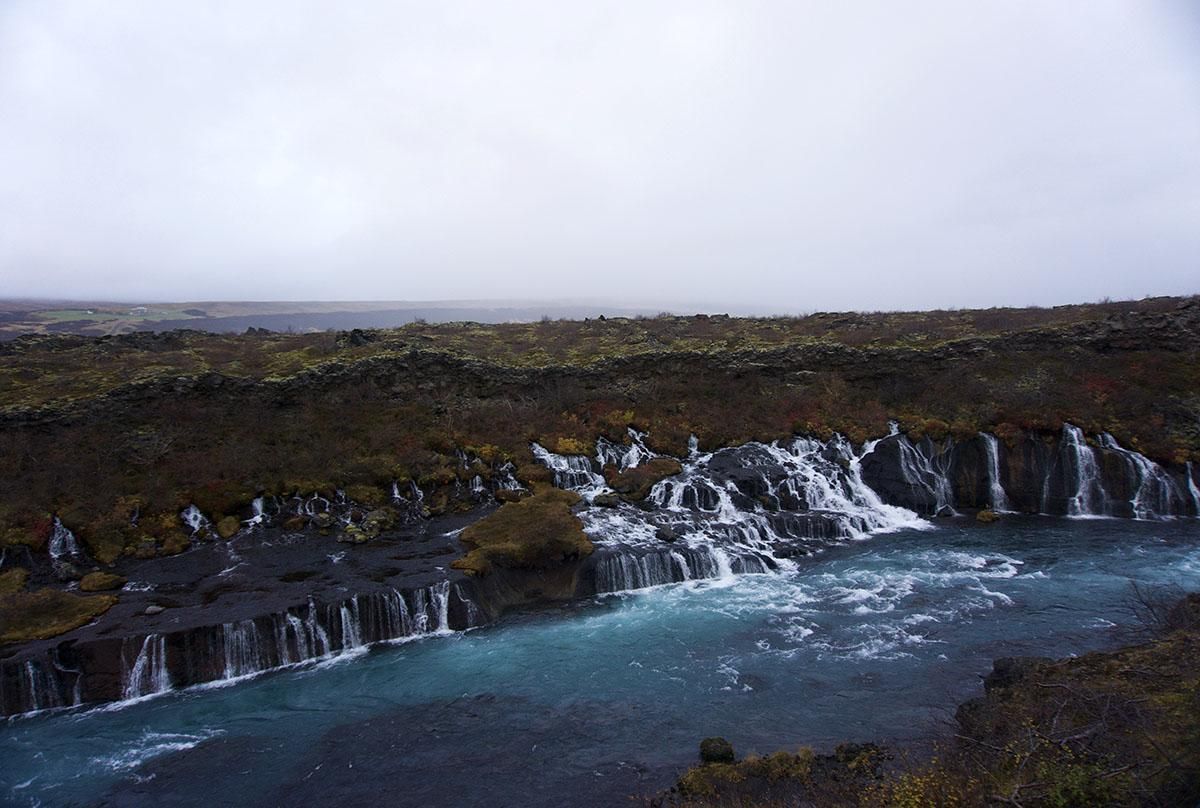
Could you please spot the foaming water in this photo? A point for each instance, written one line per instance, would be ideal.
(875, 639)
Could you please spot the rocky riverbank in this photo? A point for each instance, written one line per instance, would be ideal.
(1112, 728)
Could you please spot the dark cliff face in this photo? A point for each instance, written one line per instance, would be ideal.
(1045, 473)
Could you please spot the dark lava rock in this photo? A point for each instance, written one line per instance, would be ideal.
(716, 750)
(1007, 671)
(666, 533)
(606, 500)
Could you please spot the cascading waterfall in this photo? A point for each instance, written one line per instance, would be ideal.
(62, 542)
(1089, 497)
(1156, 496)
(570, 471)
(260, 644)
(147, 674)
(1193, 489)
(623, 571)
(997, 499)
(505, 478)
(741, 510)
(621, 456)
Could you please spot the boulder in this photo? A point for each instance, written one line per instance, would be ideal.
(666, 533)
(66, 571)
(378, 520)
(606, 500)
(228, 526)
(353, 534)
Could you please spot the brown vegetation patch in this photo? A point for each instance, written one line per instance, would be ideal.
(47, 613)
(635, 483)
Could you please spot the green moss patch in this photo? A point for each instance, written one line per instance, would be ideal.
(228, 526)
(48, 613)
(101, 582)
(540, 532)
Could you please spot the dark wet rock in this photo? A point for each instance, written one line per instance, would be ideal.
(1008, 671)
(66, 571)
(378, 521)
(716, 750)
(606, 500)
(153, 609)
(323, 520)
(666, 533)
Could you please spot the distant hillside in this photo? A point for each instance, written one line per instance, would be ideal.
(86, 318)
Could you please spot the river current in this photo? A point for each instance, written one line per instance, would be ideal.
(597, 701)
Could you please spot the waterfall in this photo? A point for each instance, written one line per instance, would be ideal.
(928, 474)
(505, 478)
(62, 542)
(1156, 495)
(313, 505)
(741, 510)
(997, 499)
(621, 456)
(242, 649)
(1089, 497)
(440, 594)
(257, 508)
(148, 672)
(192, 517)
(1193, 489)
(245, 647)
(570, 471)
(623, 571)
(40, 686)
(350, 624)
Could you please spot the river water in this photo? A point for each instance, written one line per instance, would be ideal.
(594, 702)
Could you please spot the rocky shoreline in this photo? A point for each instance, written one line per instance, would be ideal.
(1114, 727)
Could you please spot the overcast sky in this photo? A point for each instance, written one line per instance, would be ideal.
(787, 156)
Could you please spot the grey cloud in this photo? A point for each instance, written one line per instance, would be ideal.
(771, 156)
